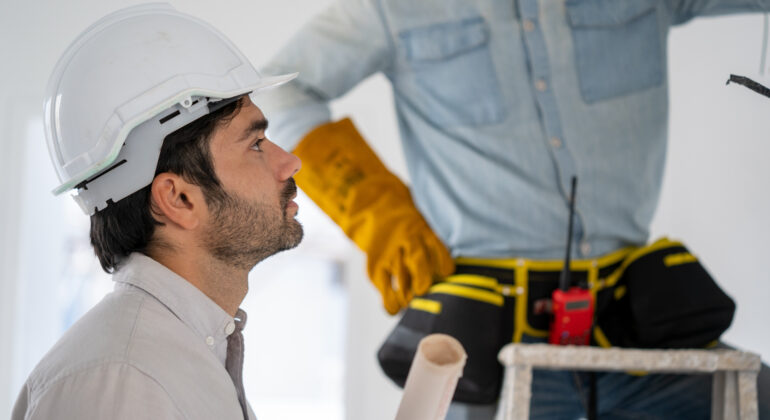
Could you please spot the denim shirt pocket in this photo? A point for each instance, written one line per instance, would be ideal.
(617, 46)
(453, 72)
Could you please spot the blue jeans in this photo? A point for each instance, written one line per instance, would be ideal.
(564, 395)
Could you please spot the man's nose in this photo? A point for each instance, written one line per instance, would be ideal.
(289, 164)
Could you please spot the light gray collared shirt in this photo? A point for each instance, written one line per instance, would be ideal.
(154, 348)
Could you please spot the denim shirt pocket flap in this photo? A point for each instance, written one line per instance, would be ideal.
(618, 47)
(606, 13)
(444, 40)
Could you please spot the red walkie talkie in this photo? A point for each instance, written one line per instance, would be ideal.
(573, 306)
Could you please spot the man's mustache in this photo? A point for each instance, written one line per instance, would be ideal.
(288, 192)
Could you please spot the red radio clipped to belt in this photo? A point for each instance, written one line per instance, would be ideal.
(573, 313)
(573, 306)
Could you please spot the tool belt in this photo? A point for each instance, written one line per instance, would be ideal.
(657, 296)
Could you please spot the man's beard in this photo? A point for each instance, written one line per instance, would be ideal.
(242, 234)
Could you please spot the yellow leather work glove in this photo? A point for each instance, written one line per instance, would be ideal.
(344, 177)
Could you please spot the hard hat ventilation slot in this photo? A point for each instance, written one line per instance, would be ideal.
(168, 117)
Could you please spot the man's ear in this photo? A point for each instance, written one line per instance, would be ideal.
(177, 201)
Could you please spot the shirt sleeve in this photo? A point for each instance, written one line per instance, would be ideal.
(112, 391)
(337, 49)
(685, 10)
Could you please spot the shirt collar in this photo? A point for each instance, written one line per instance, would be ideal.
(196, 310)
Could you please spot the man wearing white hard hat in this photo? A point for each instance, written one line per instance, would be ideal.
(151, 126)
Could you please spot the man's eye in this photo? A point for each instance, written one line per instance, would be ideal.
(257, 145)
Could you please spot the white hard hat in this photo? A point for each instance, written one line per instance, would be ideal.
(123, 85)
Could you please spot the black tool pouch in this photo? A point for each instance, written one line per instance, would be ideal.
(466, 310)
(662, 297)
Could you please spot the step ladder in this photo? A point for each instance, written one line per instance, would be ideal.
(734, 385)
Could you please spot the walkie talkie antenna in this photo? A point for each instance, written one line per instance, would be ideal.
(565, 278)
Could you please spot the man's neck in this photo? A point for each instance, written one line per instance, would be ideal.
(224, 284)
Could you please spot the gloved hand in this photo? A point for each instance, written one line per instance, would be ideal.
(344, 177)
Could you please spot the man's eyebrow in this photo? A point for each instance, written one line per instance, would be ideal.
(255, 127)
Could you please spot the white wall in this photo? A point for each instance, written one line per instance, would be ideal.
(714, 197)
(715, 192)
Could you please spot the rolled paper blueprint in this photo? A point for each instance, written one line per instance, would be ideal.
(436, 368)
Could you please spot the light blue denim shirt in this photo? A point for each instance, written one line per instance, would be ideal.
(500, 103)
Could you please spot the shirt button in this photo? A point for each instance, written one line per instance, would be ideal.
(555, 142)
(541, 85)
(528, 25)
(210, 341)
(585, 248)
(229, 328)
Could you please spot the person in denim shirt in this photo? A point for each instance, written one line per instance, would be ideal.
(499, 104)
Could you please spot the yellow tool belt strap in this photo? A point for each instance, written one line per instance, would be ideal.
(512, 279)
(517, 278)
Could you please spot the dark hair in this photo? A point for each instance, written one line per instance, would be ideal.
(128, 225)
